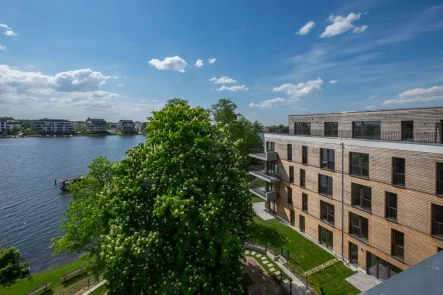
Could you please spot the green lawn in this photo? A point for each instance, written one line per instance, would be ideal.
(304, 254)
(256, 199)
(101, 290)
(331, 280)
(26, 285)
(266, 267)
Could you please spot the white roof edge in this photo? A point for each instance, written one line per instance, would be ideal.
(404, 146)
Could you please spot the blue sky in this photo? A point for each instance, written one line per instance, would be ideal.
(123, 59)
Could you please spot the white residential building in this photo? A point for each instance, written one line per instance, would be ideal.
(126, 125)
(96, 125)
(52, 126)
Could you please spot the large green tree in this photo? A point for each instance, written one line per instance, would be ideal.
(85, 221)
(12, 267)
(237, 128)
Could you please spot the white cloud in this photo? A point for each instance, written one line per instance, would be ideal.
(222, 80)
(79, 80)
(233, 88)
(333, 81)
(174, 63)
(370, 107)
(212, 60)
(8, 31)
(199, 63)
(295, 91)
(306, 28)
(268, 104)
(418, 95)
(2, 47)
(341, 24)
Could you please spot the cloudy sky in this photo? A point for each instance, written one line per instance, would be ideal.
(123, 59)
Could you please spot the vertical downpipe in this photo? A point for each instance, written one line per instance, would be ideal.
(342, 199)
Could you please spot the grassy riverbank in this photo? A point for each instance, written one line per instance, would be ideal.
(72, 286)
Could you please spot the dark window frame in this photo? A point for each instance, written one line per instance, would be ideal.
(289, 195)
(397, 244)
(329, 237)
(390, 210)
(329, 163)
(327, 212)
(407, 132)
(327, 190)
(331, 129)
(360, 198)
(439, 179)
(358, 169)
(304, 202)
(437, 223)
(302, 128)
(366, 129)
(302, 229)
(270, 146)
(357, 230)
(289, 152)
(291, 174)
(302, 178)
(304, 159)
(398, 176)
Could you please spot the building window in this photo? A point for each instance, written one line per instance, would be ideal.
(437, 220)
(289, 195)
(325, 185)
(398, 175)
(359, 164)
(380, 268)
(407, 130)
(327, 159)
(292, 217)
(327, 212)
(353, 253)
(291, 174)
(326, 237)
(391, 205)
(331, 129)
(270, 146)
(361, 196)
(398, 244)
(302, 223)
(302, 128)
(273, 168)
(304, 155)
(302, 178)
(368, 129)
(304, 202)
(270, 186)
(289, 152)
(439, 179)
(359, 226)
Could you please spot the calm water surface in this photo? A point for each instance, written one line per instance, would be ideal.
(31, 208)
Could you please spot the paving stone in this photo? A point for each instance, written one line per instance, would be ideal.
(265, 262)
(285, 281)
(264, 258)
(253, 253)
(270, 265)
(258, 255)
(277, 273)
(247, 252)
(272, 269)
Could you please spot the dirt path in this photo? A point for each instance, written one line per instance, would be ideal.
(262, 283)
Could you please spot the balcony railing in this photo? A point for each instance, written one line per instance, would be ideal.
(399, 179)
(258, 151)
(259, 171)
(437, 228)
(418, 136)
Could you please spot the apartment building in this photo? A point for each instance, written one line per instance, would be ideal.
(126, 125)
(3, 127)
(79, 125)
(45, 126)
(367, 185)
(7, 125)
(96, 125)
(140, 126)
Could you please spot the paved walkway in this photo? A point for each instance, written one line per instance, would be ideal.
(95, 287)
(259, 209)
(362, 281)
(321, 266)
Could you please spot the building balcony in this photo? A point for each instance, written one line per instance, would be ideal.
(261, 154)
(260, 191)
(260, 172)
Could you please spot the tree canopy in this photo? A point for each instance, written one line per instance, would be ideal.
(237, 128)
(171, 218)
(12, 267)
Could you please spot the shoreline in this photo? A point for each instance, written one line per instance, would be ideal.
(68, 135)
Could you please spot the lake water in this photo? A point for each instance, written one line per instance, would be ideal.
(31, 207)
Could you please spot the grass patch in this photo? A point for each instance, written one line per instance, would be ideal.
(256, 199)
(331, 280)
(304, 254)
(101, 290)
(24, 286)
